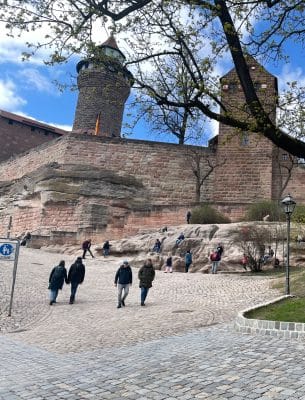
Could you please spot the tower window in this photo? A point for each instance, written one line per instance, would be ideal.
(245, 141)
(284, 156)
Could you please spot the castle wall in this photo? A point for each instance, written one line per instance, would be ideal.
(142, 185)
(17, 167)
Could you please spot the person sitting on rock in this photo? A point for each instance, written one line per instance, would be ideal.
(106, 248)
(180, 239)
(157, 246)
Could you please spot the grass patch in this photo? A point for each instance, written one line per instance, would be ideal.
(297, 280)
(289, 310)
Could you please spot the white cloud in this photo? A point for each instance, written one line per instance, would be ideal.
(34, 79)
(9, 99)
(289, 75)
(11, 48)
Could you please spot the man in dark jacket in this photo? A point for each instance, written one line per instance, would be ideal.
(86, 247)
(146, 275)
(106, 248)
(56, 280)
(76, 276)
(123, 280)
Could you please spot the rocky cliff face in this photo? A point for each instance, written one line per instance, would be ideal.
(200, 239)
(69, 195)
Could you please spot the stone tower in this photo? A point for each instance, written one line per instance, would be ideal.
(104, 86)
(248, 158)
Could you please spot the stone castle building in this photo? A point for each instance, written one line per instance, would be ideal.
(65, 186)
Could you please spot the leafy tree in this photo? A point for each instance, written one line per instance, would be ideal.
(218, 24)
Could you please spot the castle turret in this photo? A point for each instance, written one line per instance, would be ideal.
(245, 159)
(104, 86)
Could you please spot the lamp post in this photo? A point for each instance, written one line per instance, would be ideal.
(288, 205)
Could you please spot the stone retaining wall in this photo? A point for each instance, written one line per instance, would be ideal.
(288, 330)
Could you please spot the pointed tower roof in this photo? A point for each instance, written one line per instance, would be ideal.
(112, 44)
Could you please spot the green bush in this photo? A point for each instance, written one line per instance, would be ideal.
(206, 214)
(299, 214)
(257, 211)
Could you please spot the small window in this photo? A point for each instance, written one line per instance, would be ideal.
(32, 128)
(284, 156)
(10, 122)
(244, 141)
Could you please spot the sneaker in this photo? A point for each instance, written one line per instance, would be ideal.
(142, 304)
(119, 306)
(123, 303)
(51, 302)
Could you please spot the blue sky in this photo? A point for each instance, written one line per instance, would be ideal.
(27, 88)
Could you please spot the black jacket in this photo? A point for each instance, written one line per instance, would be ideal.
(57, 278)
(123, 275)
(146, 275)
(76, 272)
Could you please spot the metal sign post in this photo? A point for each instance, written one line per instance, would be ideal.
(9, 251)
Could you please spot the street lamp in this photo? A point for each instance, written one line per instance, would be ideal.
(288, 205)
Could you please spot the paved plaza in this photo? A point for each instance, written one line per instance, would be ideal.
(181, 345)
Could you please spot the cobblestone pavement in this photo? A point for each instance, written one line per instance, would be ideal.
(212, 363)
(180, 346)
(176, 303)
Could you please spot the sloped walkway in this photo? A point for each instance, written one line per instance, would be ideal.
(180, 346)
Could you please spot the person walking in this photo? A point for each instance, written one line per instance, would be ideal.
(86, 247)
(146, 276)
(188, 217)
(123, 280)
(56, 280)
(188, 260)
(169, 264)
(76, 277)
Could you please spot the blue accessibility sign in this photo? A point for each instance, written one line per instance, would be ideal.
(7, 250)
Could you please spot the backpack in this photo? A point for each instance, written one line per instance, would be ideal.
(214, 256)
(57, 274)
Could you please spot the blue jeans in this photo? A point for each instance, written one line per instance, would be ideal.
(53, 294)
(73, 291)
(106, 252)
(144, 292)
(215, 266)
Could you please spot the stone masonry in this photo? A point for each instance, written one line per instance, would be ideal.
(88, 185)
